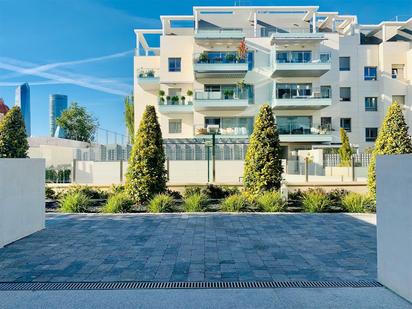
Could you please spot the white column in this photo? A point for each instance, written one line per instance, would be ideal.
(255, 24)
(333, 25)
(196, 22)
(314, 22)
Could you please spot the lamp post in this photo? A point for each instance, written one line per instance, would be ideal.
(213, 130)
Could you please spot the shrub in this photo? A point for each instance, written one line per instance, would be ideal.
(114, 189)
(49, 193)
(118, 202)
(161, 203)
(218, 192)
(295, 198)
(146, 175)
(355, 202)
(175, 194)
(345, 150)
(90, 192)
(315, 200)
(271, 201)
(192, 190)
(74, 202)
(235, 203)
(393, 138)
(336, 196)
(263, 165)
(195, 203)
(13, 139)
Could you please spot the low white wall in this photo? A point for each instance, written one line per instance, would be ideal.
(394, 223)
(93, 172)
(21, 198)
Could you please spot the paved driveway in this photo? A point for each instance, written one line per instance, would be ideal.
(204, 247)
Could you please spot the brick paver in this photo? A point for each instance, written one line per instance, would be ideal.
(204, 247)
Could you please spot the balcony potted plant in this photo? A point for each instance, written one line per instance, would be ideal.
(175, 100)
(228, 94)
(150, 73)
(203, 58)
(168, 98)
(242, 51)
(161, 95)
(189, 93)
(182, 98)
(230, 58)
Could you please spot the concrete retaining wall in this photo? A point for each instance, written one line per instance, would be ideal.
(21, 198)
(394, 223)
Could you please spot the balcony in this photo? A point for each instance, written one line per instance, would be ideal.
(296, 36)
(311, 102)
(227, 100)
(300, 64)
(226, 35)
(201, 131)
(175, 107)
(148, 79)
(218, 65)
(300, 133)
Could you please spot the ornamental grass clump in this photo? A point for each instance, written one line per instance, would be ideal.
(74, 202)
(196, 202)
(271, 201)
(315, 200)
(161, 203)
(355, 202)
(235, 203)
(118, 203)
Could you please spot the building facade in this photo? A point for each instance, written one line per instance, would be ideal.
(57, 104)
(318, 71)
(23, 101)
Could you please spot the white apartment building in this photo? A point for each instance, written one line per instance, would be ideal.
(319, 71)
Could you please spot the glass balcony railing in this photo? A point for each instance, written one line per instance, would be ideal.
(218, 57)
(301, 57)
(223, 132)
(219, 95)
(148, 73)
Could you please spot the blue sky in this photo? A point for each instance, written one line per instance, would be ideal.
(84, 48)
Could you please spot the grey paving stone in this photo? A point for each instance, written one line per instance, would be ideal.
(212, 247)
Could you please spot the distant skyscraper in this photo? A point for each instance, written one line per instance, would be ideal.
(23, 101)
(57, 104)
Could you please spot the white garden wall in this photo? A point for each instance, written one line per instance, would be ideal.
(394, 223)
(21, 198)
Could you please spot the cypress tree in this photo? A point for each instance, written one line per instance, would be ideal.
(263, 165)
(13, 138)
(146, 175)
(393, 138)
(345, 150)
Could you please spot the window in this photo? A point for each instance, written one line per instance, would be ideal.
(325, 92)
(398, 71)
(175, 64)
(400, 99)
(371, 104)
(346, 124)
(344, 63)
(326, 123)
(371, 134)
(293, 91)
(175, 125)
(370, 73)
(294, 124)
(344, 93)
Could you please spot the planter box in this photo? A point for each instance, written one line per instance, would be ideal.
(394, 223)
(21, 198)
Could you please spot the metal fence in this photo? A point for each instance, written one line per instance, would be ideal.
(333, 159)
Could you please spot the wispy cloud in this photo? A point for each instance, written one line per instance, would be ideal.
(47, 67)
(63, 77)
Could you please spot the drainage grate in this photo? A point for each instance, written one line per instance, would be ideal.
(35, 286)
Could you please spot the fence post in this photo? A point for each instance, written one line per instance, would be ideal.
(74, 171)
(121, 171)
(168, 168)
(306, 169)
(353, 168)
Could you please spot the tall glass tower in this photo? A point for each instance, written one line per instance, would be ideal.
(23, 101)
(57, 104)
